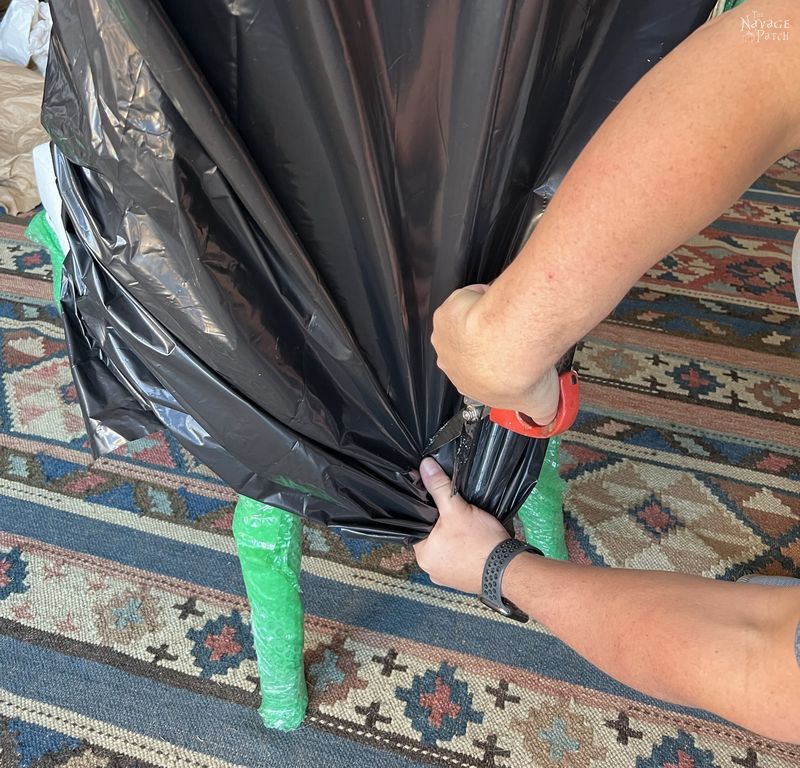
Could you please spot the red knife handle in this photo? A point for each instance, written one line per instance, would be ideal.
(568, 402)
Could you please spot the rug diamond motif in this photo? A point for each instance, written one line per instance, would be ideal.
(35, 404)
(647, 516)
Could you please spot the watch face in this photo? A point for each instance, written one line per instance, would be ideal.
(493, 606)
(512, 612)
(509, 610)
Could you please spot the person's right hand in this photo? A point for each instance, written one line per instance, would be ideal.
(485, 367)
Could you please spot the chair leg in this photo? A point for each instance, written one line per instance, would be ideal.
(268, 541)
(542, 514)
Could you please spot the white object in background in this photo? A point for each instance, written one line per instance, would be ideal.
(15, 31)
(48, 190)
(40, 37)
(25, 33)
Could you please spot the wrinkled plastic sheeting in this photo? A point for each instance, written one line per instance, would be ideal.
(268, 200)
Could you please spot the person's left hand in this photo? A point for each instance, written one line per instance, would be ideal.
(454, 553)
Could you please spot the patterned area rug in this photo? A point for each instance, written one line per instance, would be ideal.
(124, 632)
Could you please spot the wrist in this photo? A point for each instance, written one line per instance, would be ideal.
(517, 573)
(494, 572)
(507, 331)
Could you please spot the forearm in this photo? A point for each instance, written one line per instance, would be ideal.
(727, 648)
(682, 145)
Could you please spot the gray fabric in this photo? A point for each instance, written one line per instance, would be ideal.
(796, 267)
(769, 581)
(796, 276)
(779, 581)
(797, 644)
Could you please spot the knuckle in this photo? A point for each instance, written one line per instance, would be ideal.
(440, 483)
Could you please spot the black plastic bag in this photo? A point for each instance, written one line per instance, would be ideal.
(267, 201)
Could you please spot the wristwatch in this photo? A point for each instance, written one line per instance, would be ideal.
(493, 570)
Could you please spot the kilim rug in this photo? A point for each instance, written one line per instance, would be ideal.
(124, 631)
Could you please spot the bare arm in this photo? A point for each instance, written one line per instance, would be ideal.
(682, 145)
(724, 647)
(727, 648)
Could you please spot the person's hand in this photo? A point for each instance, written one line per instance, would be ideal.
(454, 553)
(487, 366)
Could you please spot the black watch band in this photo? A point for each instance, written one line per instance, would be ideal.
(493, 570)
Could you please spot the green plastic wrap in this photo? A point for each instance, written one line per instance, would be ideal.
(40, 232)
(724, 5)
(542, 514)
(269, 544)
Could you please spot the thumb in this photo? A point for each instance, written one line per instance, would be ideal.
(437, 483)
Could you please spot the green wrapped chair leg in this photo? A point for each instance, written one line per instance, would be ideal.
(40, 232)
(269, 542)
(542, 514)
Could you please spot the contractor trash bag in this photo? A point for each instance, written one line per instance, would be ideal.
(267, 200)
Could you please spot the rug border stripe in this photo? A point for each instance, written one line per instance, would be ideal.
(72, 678)
(79, 649)
(144, 472)
(653, 284)
(643, 420)
(129, 743)
(27, 286)
(680, 461)
(247, 739)
(154, 526)
(629, 335)
(616, 400)
(224, 544)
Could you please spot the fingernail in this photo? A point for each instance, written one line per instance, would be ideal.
(428, 468)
